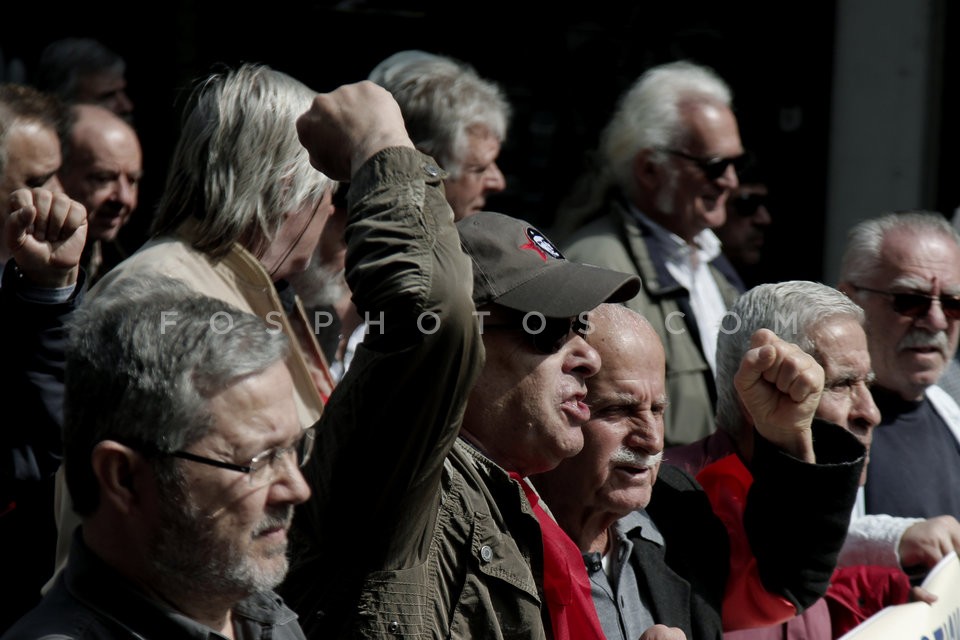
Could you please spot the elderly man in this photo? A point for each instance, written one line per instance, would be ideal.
(904, 270)
(659, 553)
(182, 442)
(425, 444)
(29, 144)
(671, 152)
(828, 326)
(182, 448)
(102, 167)
(453, 115)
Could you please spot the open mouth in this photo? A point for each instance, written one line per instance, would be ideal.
(576, 409)
(633, 471)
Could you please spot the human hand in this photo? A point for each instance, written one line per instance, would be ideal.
(45, 233)
(663, 632)
(344, 128)
(925, 543)
(919, 594)
(780, 385)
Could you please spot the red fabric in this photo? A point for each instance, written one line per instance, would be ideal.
(856, 593)
(746, 603)
(566, 585)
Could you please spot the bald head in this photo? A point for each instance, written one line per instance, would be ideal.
(619, 331)
(623, 439)
(102, 167)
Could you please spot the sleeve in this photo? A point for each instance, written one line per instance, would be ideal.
(875, 540)
(392, 419)
(31, 380)
(786, 520)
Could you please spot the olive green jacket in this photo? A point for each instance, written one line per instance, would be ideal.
(410, 533)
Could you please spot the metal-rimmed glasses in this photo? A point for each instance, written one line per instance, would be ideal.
(263, 467)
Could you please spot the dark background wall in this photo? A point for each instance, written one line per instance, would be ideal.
(562, 69)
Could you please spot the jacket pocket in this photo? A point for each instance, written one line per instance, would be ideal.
(394, 604)
(499, 597)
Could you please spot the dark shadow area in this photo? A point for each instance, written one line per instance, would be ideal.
(562, 71)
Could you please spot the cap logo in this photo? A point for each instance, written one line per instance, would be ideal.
(540, 244)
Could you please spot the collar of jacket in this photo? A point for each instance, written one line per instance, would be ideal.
(244, 264)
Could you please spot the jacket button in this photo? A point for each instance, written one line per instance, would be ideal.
(486, 553)
(394, 627)
(431, 170)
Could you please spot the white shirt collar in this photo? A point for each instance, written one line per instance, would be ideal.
(676, 248)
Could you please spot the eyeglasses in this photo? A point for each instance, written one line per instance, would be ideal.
(263, 467)
(916, 305)
(746, 205)
(546, 335)
(712, 168)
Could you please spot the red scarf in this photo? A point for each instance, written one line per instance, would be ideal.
(566, 585)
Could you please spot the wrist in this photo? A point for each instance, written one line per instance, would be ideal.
(50, 278)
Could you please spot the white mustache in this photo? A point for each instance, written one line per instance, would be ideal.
(919, 338)
(625, 455)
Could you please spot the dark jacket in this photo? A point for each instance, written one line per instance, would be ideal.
(31, 392)
(795, 519)
(91, 601)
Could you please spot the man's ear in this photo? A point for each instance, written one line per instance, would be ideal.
(120, 473)
(647, 173)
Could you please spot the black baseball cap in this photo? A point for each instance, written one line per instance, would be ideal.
(516, 266)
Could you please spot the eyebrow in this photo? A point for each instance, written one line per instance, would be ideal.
(629, 399)
(849, 377)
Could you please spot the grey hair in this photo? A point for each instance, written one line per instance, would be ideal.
(20, 103)
(63, 62)
(794, 310)
(861, 258)
(143, 359)
(648, 115)
(238, 166)
(441, 99)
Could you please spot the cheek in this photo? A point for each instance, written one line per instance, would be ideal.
(97, 197)
(311, 238)
(242, 516)
(953, 331)
(884, 332)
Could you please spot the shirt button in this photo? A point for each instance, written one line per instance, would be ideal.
(486, 553)
(394, 627)
(431, 170)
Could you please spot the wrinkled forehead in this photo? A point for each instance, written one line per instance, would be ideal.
(919, 255)
(841, 347)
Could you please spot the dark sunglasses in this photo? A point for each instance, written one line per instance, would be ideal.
(545, 335)
(713, 168)
(917, 305)
(747, 204)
